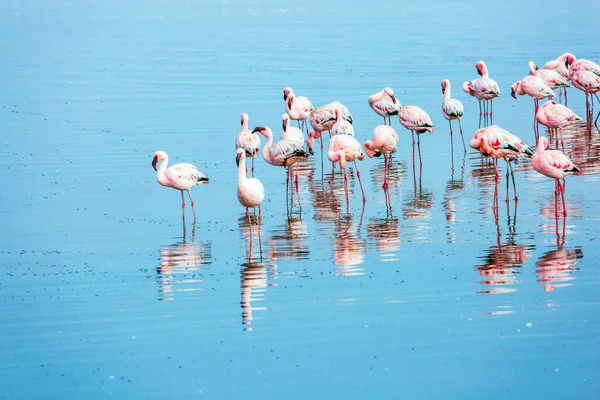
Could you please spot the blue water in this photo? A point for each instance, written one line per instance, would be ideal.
(430, 295)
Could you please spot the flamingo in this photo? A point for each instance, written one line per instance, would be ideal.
(574, 65)
(415, 119)
(553, 164)
(322, 119)
(250, 191)
(484, 88)
(291, 133)
(384, 103)
(248, 141)
(555, 117)
(179, 176)
(589, 82)
(535, 87)
(298, 108)
(341, 126)
(343, 149)
(495, 142)
(552, 78)
(452, 109)
(559, 66)
(284, 153)
(384, 141)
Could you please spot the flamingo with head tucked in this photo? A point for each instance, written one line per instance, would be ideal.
(553, 164)
(384, 141)
(343, 149)
(416, 120)
(250, 191)
(385, 103)
(555, 117)
(248, 141)
(452, 109)
(322, 119)
(179, 176)
(535, 87)
(552, 78)
(559, 66)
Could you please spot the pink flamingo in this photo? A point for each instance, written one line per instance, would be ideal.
(179, 176)
(553, 164)
(250, 191)
(291, 133)
(284, 153)
(384, 103)
(484, 89)
(343, 149)
(341, 126)
(248, 141)
(298, 108)
(384, 141)
(322, 119)
(495, 142)
(452, 109)
(535, 87)
(552, 78)
(559, 66)
(589, 82)
(415, 119)
(574, 64)
(555, 117)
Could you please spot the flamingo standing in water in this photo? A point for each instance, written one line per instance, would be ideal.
(495, 142)
(559, 66)
(589, 82)
(248, 141)
(574, 64)
(322, 119)
(385, 103)
(552, 78)
(484, 89)
(452, 109)
(291, 133)
(298, 108)
(179, 176)
(341, 126)
(384, 141)
(284, 153)
(250, 191)
(555, 117)
(553, 164)
(535, 87)
(416, 120)
(343, 149)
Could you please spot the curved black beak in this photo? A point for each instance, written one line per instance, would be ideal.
(443, 90)
(154, 162)
(567, 63)
(478, 71)
(237, 160)
(283, 125)
(513, 93)
(310, 150)
(258, 129)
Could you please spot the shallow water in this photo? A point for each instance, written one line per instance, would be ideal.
(425, 294)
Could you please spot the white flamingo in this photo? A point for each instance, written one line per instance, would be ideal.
(452, 109)
(291, 133)
(385, 103)
(179, 176)
(298, 107)
(250, 191)
(248, 141)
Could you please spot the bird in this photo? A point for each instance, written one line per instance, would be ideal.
(589, 83)
(284, 153)
(575, 64)
(495, 142)
(343, 149)
(555, 117)
(553, 164)
(179, 176)
(384, 141)
(385, 103)
(291, 133)
(248, 141)
(341, 126)
(484, 88)
(452, 109)
(250, 191)
(535, 87)
(322, 119)
(552, 78)
(298, 108)
(559, 66)
(415, 119)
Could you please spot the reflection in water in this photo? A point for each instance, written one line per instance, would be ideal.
(386, 232)
(396, 175)
(289, 241)
(453, 192)
(556, 266)
(584, 149)
(348, 248)
(180, 265)
(418, 209)
(502, 262)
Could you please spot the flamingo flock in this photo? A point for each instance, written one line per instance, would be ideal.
(490, 141)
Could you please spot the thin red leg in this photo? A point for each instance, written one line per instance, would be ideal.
(562, 190)
(385, 170)
(346, 185)
(182, 200)
(461, 136)
(420, 159)
(359, 182)
(192, 201)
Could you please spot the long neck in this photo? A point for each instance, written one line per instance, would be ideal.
(160, 175)
(242, 169)
(531, 67)
(447, 91)
(541, 147)
(245, 124)
(267, 148)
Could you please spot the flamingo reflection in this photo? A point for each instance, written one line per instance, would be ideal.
(180, 268)
(348, 248)
(386, 234)
(554, 267)
(418, 209)
(452, 194)
(289, 241)
(502, 263)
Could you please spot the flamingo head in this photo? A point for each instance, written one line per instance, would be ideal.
(244, 118)
(263, 130)
(158, 157)
(445, 83)
(569, 59)
(285, 120)
(241, 155)
(290, 99)
(480, 65)
(390, 92)
(543, 143)
(514, 89)
(286, 93)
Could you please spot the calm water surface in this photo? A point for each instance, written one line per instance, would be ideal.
(422, 294)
